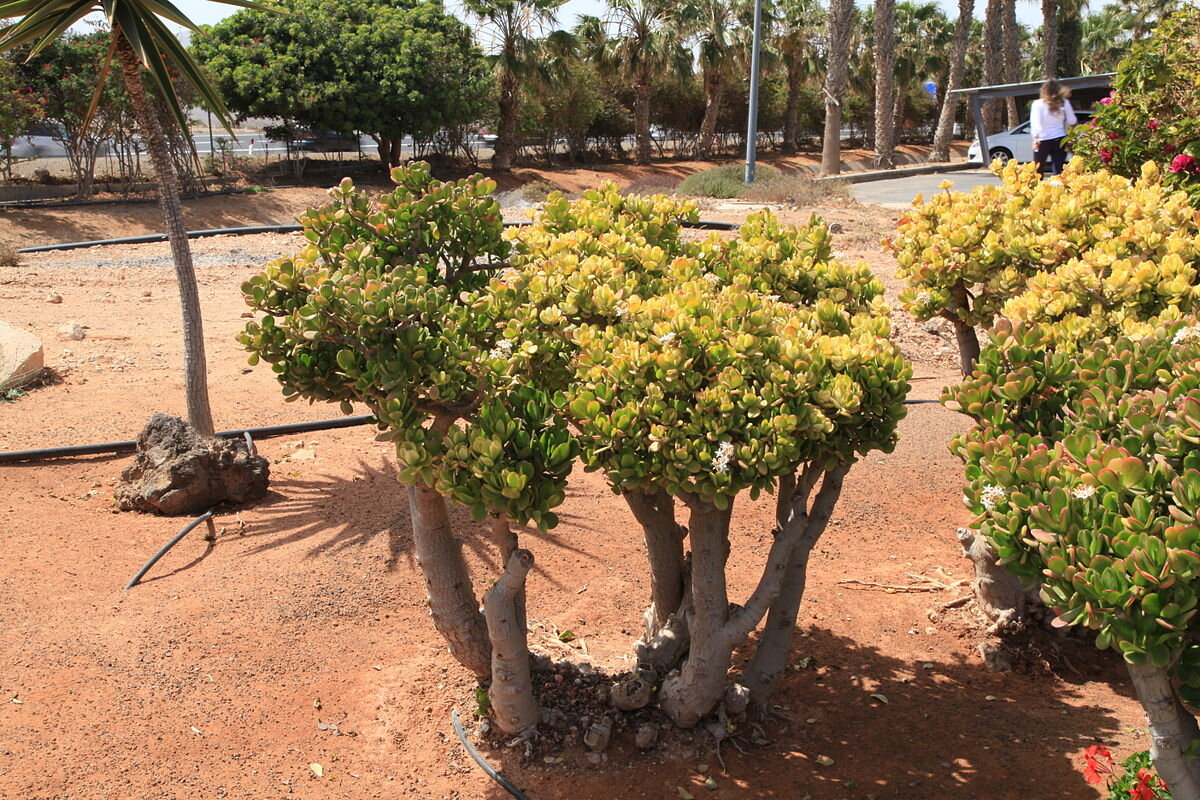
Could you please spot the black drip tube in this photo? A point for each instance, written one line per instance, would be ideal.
(252, 229)
(125, 447)
(162, 551)
(481, 761)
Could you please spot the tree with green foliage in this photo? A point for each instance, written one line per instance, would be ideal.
(142, 45)
(19, 112)
(372, 66)
(523, 53)
(839, 32)
(798, 27)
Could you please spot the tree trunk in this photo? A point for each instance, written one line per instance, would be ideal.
(687, 695)
(713, 89)
(791, 117)
(451, 598)
(506, 136)
(945, 128)
(1049, 38)
(664, 550)
(511, 693)
(1012, 58)
(1172, 729)
(840, 28)
(775, 646)
(1069, 41)
(641, 120)
(897, 116)
(993, 63)
(506, 543)
(384, 145)
(964, 333)
(885, 81)
(195, 369)
(998, 592)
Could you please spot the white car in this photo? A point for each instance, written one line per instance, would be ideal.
(1016, 143)
(40, 143)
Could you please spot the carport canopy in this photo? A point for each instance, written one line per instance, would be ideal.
(1082, 87)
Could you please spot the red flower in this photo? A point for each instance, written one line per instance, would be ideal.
(1113, 135)
(1182, 162)
(1106, 101)
(1152, 124)
(1097, 761)
(1106, 156)
(1143, 790)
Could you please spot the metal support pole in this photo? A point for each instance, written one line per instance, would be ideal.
(980, 128)
(752, 122)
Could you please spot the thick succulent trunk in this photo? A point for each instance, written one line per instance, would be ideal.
(690, 693)
(506, 543)
(506, 136)
(664, 550)
(713, 89)
(840, 17)
(511, 693)
(791, 117)
(945, 128)
(885, 81)
(641, 119)
(776, 643)
(452, 601)
(993, 63)
(999, 594)
(195, 368)
(1172, 729)
(964, 333)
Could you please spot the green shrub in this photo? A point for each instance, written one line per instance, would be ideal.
(724, 182)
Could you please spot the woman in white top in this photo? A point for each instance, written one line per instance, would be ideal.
(1049, 117)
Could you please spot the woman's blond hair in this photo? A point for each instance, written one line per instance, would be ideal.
(1053, 94)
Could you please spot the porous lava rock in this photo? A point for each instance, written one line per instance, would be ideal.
(177, 471)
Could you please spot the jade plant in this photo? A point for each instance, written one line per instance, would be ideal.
(1084, 474)
(375, 310)
(1096, 247)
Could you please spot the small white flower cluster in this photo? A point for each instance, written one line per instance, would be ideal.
(1083, 491)
(722, 456)
(923, 298)
(667, 337)
(503, 349)
(774, 298)
(1190, 333)
(991, 495)
(509, 275)
(713, 278)
(621, 310)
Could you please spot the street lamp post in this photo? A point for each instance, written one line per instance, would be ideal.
(752, 122)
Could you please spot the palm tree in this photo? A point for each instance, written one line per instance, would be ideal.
(142, 44)
(1012, 58)
(922, 36)
(945, 128)
(885, 82)
(800, 23)
(1049, 38)
(638, 41)
(993, 59)
(714, 24)
(1106, 38)
(839, 31)
(515, 26)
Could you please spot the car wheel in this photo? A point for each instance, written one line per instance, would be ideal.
(1002, 153)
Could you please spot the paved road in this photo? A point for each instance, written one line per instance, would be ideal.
(899, 192)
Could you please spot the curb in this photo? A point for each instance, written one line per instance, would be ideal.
(899, 172)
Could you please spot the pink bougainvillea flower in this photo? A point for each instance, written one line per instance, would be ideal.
(1106, 156)
(1182, 162)
(1168, 149)
(1114, 135)
(1106, 101)
(1152, 124)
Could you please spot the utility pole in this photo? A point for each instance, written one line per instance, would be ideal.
(752, 122)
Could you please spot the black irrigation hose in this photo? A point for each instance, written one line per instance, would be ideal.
(252, 229)
(124, 447)
(52, 203)
(481, 761)
(162, 551)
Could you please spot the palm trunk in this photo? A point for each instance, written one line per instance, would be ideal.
(1172, 729)
(511, 693)
(451, 598)
(840, 16)
(1012, 58)
(195, 368)
(713, 89)
(993, 63)
(1049, 37)
(885, 80)
(506, 139)
(791, 117)
(641, 119)
(945, 128)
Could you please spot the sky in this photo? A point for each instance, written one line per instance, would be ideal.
(205, 12)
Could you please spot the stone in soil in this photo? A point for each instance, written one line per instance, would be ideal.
(179, 472)
(72, 332)
(22, 359)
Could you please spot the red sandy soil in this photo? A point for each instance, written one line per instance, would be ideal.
(211, 678)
